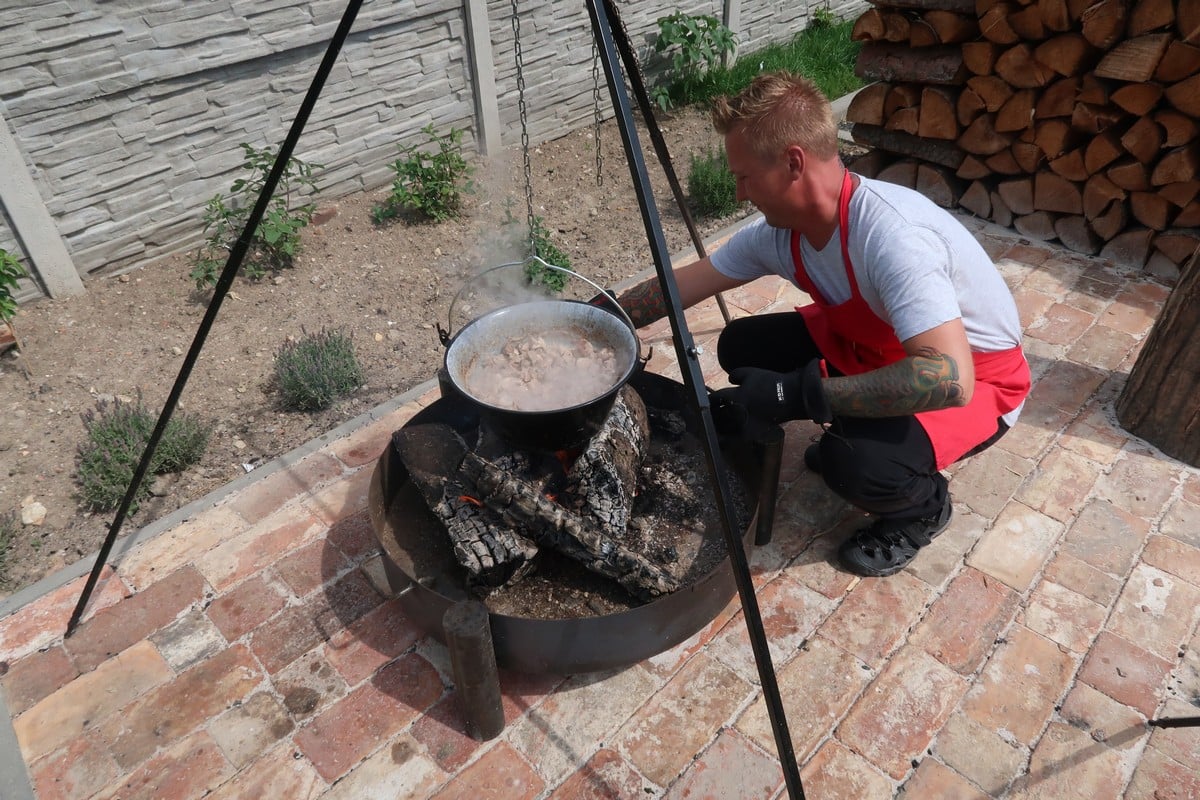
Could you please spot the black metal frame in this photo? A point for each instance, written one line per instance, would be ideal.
(688, 355)
(236, 254)
(686, 350)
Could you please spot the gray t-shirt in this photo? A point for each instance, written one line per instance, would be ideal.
(916, 266)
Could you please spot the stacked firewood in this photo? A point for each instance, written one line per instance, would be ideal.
(1069, 120)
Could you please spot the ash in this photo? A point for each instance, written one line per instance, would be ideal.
(674, 524)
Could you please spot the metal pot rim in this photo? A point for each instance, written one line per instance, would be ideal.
(614, 324)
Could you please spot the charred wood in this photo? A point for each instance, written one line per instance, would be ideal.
(572, 534)
(603, 479)
(488, 549)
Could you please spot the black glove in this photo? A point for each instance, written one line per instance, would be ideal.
(779, 396)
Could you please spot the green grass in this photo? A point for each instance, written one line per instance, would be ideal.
(823, 52)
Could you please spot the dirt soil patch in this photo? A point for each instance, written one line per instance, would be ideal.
(387, 287)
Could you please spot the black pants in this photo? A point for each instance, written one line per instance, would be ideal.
(885, 466)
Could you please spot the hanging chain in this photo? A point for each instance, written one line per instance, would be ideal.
(516, 27)
(596, 118)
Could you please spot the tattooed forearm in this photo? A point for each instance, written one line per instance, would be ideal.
(923, 382)
(644, 303)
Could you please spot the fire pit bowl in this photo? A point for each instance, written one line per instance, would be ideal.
(422, 571)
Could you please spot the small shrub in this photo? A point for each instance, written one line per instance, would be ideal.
(822, 19)
(698, 43)
(9, 525)
(276, 240)
(514, 236)
(428, 184)
(712, 186)
(316, 369)
(10, 272)
(545, 249)
(117, 435)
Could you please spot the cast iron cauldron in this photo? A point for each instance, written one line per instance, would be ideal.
(555, 429)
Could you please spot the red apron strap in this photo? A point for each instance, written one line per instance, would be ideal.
(802, 278)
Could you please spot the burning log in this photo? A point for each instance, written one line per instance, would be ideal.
(494, 501)
(571, 534)
(492, 553)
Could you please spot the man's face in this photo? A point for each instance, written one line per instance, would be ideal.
(764, 183)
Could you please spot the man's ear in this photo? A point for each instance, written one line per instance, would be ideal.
(796, 160)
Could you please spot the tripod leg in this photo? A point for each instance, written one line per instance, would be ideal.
(1177, 722)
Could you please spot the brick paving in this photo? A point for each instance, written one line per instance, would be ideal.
(253, 650)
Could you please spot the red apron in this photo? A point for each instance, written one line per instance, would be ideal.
(854, 340)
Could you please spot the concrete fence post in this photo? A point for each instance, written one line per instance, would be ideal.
(483, 71)
(50, 262)
(731, 17)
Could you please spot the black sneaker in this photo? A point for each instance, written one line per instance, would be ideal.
(812, 457)
(887, 545)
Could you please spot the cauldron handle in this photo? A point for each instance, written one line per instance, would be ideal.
(444, 334)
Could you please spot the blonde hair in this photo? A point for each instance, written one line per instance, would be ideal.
(778, 110)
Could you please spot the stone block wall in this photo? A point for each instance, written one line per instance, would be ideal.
(129, 115)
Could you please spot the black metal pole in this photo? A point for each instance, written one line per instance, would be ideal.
(236, 254)
(687, 353)
(1175, 722)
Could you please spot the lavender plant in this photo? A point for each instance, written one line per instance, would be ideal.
(316, 369)
(117, 435)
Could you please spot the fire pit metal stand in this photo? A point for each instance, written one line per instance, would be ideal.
(421, 568)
